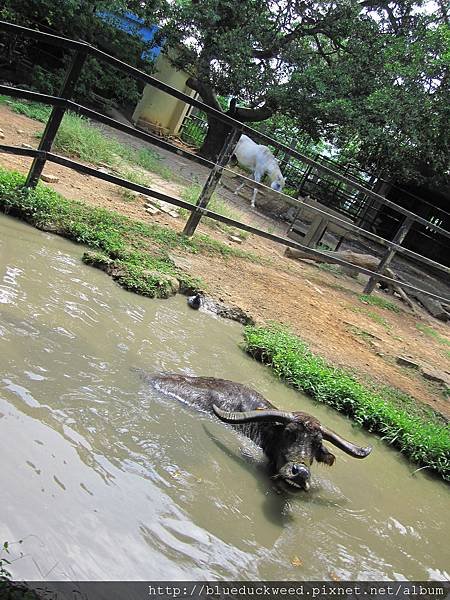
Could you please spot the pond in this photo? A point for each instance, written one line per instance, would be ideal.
(105, 479)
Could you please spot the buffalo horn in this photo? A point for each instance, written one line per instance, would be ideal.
(348, 447)
(251, 416)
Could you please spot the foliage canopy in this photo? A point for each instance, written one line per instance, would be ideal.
(367, 75)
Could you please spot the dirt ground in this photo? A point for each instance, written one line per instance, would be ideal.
(319, 305)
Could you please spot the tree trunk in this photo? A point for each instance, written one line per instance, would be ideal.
(215, 139)
(218, 131)
(363, 260)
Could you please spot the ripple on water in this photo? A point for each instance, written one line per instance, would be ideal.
(21, 392)
(34, 376)
(10, 291)
(107, 463)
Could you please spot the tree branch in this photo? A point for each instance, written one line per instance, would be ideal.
(253, 114)
(281, 43)
(206, 92)
(321, 51)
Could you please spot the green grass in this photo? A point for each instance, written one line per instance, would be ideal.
(76, 137)
(330, 268)
(372, 316)
(127, 195)
(191, 194)
(33, 110)
(420, 433)
(430, 332)
(377, 319)
(136, 254)
(361, 333)
(341, 288)
(151, 161)
(135, 177)
(380, 302)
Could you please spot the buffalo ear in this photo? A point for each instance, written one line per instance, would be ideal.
(323, 455)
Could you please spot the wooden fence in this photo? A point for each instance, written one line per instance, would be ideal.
(63, 102)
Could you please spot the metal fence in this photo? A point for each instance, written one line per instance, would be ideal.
(300, 177)
(305, 180)
(63, 102)
(193, 131)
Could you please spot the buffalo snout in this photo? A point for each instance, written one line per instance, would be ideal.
(297, 476)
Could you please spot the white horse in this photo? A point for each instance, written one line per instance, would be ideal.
(260, 160)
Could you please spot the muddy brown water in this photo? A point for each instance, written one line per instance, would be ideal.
(104, 479)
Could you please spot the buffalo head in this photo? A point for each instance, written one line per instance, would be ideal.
(292, 441)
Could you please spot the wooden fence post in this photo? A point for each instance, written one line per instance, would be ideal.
(211, 183)
(56, 116)
(389, 255)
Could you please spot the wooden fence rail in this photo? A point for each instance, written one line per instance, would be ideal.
(63, 102)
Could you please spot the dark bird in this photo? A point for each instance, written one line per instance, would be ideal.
(195, 301)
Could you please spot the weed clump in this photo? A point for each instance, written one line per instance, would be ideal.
(417, 431)
(432, 333)
(134, 276)
(379, 301)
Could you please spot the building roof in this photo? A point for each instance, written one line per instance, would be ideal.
(134, 25)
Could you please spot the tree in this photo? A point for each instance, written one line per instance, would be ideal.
(369, 76)
(399, 127)
(364, 74)
(253, 51)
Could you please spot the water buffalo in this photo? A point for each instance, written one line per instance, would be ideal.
(290, 440)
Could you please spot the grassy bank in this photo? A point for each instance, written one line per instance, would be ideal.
(135, 254)
(76, 137)
(416, 430)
